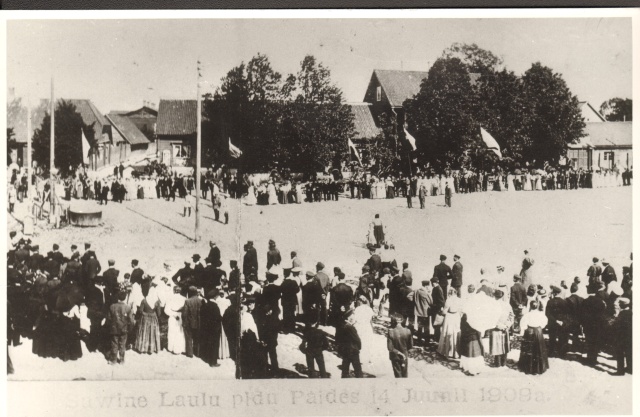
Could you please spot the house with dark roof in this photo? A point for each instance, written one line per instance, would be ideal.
(606, 145)
(364, 123)
(176, 132)
(132, 143)
(145, 119)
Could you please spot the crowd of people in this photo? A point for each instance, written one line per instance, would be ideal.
(62, 302)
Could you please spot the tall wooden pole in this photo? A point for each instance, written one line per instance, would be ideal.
(198, 149)
(28, 149)
(52, 183)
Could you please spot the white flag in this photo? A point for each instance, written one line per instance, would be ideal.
(234, 150)
(490, 142)
(411, 140)
(85, 148)
(355, 150)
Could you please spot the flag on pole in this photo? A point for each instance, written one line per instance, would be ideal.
(85, 148)
(411, 139)
(355, 150)
(234, 150)
(490, 142)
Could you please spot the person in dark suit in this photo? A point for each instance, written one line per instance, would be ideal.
(399, 341)
(268, 323)
(407, 306)
(623, 338)
(593, 321)
(608, 273)
(214, 253)
(250, 261)
(97, 299)
(556, 316)
(110, 277)
(234, 276)
(198, 270)
(573, 305)
(442, 272)
(456, 274)
(395, 284)
(92, 268)
(136, 274)
(437, 295)
(184, 277)
(340, 300)
(349, 346)
(36, 259)
(518, 301)
(594, 272)
(120, 322)
(273, 255)
(374, 262)
(87, 253)
(73, 270)
(290, 290)
(311, 297)
(314, 343)
(191, 322)
(59, 257)
(210, 329)
(51, 266)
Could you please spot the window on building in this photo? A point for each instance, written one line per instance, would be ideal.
(378, 93)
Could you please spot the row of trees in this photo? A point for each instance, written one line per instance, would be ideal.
(533, 117)
(299, 121)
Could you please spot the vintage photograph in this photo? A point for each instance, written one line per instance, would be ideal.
(224, 199)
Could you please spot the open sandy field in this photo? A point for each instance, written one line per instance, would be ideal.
(562, 230)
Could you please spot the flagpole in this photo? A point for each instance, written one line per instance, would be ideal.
(28, 148)
(198, 148)
(52, 184)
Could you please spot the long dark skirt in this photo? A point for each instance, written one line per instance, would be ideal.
(70, 348)
(148, 337)
(470, 340)
(533, 352)
(378, 233)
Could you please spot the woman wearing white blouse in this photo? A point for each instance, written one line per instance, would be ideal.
(533, 352)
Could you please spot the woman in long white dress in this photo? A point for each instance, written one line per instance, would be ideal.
(223, 303)
(250, 198)
(273, 194)
(450, 334)
(527, 182)
(374, 353)
(510, 186)
(299, 193)
(538, 182)
(175, 332)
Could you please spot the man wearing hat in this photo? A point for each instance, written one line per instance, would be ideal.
(191, 322)
(214, 253)
(593, 322)
(267, 319)
(397, 282)
(456, 274)
(623, 342)
(423, 303)
(92, 268)
(234, 276)
(374, 262)
(442, 272)
(312, 296)
(325, 283)
(36, 260)
(399, 341)
(349, 345)
(341, 298)
(594, 272)
(210, 329)
(110, 276)
(250, 260)
(556, 311)
(573, 305)
(198, 270)
(184, 276)
(73, 270)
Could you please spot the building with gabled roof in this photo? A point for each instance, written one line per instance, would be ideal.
(363, 121)
(132, 143)
(589, 113)
(176, 132)
(605, 145)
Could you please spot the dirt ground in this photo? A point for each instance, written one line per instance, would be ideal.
(563, 230)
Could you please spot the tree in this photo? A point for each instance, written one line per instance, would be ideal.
(617, 109)
(11, 144)
(476, 59)
(68, 138)
(554, 119)
(379, 154)
(442, 116)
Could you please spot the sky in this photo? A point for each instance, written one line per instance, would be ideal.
(118, 64)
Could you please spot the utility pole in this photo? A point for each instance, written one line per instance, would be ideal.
(198, 151)
(28, 148)
(52, 183)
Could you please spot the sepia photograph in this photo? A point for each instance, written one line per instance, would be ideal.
(442, 200)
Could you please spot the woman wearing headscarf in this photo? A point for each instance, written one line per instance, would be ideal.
(148, 335)
(449, 343)
(499, 336)
(533, 351)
